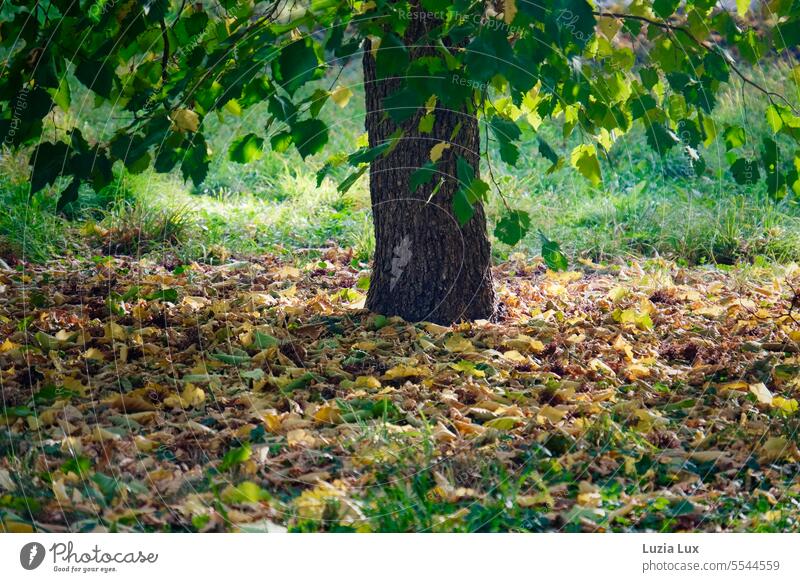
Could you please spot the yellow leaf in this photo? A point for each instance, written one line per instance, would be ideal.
(552, 413)
(635, 371)
(365, 345)
(404, 371)
(313, 503)
(737, 385)
(233, 107)
(327, 414)
(8, 346)
(509, 11)
(525, 343)
(12, 526)
(94, 354)
(60, 491)
(515, 356)
(367, 382)
(458, 343)
(185, 120)
(504, 422)
(115, 331)
(130, 403)
(374, 45)
(341, 96)
(143, 444)
(300, 437)
(777, 448)
(435, 329)
(711, 311)
(647, 420)
(438, 150)
(191, 397)
(194, 303)
(442, 434)
(100, 434)
(617, 294)
(468, 428)
(599, 365)
(430, 104)
(534, 500)
(287, 272)
(609, 27)
(789, 406)
(273, 422)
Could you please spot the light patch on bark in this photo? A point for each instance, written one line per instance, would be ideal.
(402, 256)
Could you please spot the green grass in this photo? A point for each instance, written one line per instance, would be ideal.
(648, 205)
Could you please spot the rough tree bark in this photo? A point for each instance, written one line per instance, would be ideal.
(426, 267)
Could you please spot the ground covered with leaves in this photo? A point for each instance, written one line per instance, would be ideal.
(260, 396)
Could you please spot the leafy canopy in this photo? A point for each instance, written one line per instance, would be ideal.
(165, 66)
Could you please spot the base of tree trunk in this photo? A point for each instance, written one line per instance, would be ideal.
(426, 266)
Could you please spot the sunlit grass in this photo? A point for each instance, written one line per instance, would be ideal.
(647, 205)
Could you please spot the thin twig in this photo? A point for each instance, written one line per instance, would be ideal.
(484, 98)
(165, 55)
(710, 48)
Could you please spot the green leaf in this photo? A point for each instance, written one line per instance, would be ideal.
(506, 132)
(549, 154)
(464, 171)
(366, 155)
(513, 227)
(246, 149)
(426, 123)
(402, 105)
(96, 76)
(298, 383)
(745, 172)
(78, 464)
(233, 359)
(247, 492)
(665, 8)
(661, 139)
(392, 56)
(51, 393)
(297, 64)
(68, 195)
(463, 209)
(774, 118)
(255, 374)
(584, 159)
(552, 255)
(108, 486)
(477, 190)
(196, 162)
(309, 136)
(348, 182)
(280, 142)
(236, 456)
(169, 294)
(49, 160)
(263, 340)
(735, 137)
(742, 6)
(422, 176)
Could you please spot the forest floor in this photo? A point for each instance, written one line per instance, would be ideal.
(260, 395)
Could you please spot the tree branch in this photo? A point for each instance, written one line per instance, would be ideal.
(165, 55)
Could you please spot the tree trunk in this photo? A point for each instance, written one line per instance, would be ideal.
(426, 267)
